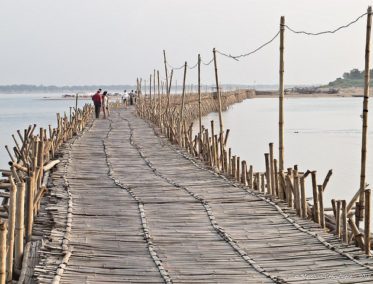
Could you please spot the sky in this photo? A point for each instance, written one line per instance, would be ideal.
(84, 42)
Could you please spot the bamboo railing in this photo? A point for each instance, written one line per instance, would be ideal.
(288, 185)
(24, 185)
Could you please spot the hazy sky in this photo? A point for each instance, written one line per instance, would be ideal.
(114, 41)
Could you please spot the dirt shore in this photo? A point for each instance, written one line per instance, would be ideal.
(347, 92)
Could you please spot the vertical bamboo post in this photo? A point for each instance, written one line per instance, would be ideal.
(281, 97)
(296, 193)
(289, 188)
(251, 177)
(262, 183)
(276, 188)
(199, 97)
(11, 225)
(150, 91)
(321, 201)
(154, 91)
(238, 169)
(165, 70)
(257, 178)
(30, 206)
(316, 216)
(3, 233)
(344, 222)
(244, 173)
(234, 164)
(367, 222)
(365, 114)
(268, 173)
(159, 102)
(272, 168)
(76, 102)
(219, 101)
(230, 161)
(303, 200)
(213, 141)
(338, 219)
(19, 226)
(182, 104)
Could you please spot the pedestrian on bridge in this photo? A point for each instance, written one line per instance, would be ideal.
(97, 101)
(105, 104)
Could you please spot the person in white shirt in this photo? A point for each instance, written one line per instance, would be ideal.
(125, 98)
(105, 104)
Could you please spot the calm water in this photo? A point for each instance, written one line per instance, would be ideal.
(320, 134)
(18, 111)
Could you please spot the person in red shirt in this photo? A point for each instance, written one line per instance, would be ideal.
(97, 101)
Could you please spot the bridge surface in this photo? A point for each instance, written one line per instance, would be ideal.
(143, 211)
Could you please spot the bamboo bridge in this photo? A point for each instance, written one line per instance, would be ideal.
(135, 199)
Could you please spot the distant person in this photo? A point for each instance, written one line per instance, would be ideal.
(97, 101)
(132, 97)
(125, 98)
(105, 104)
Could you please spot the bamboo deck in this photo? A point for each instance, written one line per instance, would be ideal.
(143, 211)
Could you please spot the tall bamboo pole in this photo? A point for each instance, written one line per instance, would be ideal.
(165, 70)
(182, 104)
(220, 109)
(218, 92)
(199, 100)
(365, 117)
(154, 89)
(169, 86)
(281, 96)
(150, 91)
(159, 100)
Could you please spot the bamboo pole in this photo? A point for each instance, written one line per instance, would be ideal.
(150, 91)
(367, 222)
(165, 70)
(244, 173)
(182, 104)
(272, 169)
(219, 101)
(321, 207)
(159, 102)
(303, 202)
(316, 210)
(19, 225)
(30, 206)
(344, 222)
(296, 193)
(281, 97)
(154, 91)
(275, 167)
(251, 177)
(357, 234)
(11, 225)
(268, 174)
(199, 95)
(238, 169)
(3, 233)
(338, 219)
(262, 183)
(327, 178)
(365, 116)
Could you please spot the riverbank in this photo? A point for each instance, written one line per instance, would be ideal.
(345, 92)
